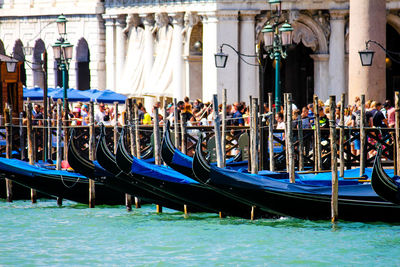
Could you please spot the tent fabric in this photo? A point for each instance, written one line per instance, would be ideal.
(35, 93)
(72, 94)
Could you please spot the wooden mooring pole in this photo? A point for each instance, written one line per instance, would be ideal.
(30, 145)
(341, 134)
(363, 139)
(157, 142)
(397, 129)
(271, 134)
(59, 123)
(317, 137)
(254, 136)
(134, 122)
(176, 123)
(92, 149)
(289, 137)
(223, 128)
(8, 124)
(335, 182)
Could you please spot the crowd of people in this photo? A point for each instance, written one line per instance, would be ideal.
(197, 113)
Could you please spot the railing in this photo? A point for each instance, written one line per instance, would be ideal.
(116, 3)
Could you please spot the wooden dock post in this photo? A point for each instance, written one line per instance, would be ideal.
(317, 137)
(30, 145)
(341, 136)
(223, 128)
(92, 149)
(176, 123)
(363, 139)
(271, 134)
(157, 142)
(397, 129)
(184, 134)
(289, 138)
(335, 182)
(66, 125)
(253, 213)
(136, 123)
(58, 148)
(285, 118)
(254, 136)
(131, 118)
(21, 135)
(115, 129)
(49, 134)
(217, 129)
(301, 143)
(8, 124)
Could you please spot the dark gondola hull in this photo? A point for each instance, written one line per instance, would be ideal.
(356, 203)
(308, 206)
(75, 188)
(107, 160)
(383, 185)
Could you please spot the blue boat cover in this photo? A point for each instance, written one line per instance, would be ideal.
(141, 167)
(184, 160)
(257, 182)
(24, 168)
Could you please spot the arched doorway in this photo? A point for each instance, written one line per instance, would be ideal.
(392, 68)
(297, 75)
(38, 77)
(18, 52)
(82, 65)
(2, 50)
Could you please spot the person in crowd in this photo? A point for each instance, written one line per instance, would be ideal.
(237, 116)
(77, 117)
(305, 118)
(146, 117)
(99, 116)
(377, 119)
(390, 110)
(107, 119)
(280, 124)
(323, 119)
(37, 115)
(84, 111)
(140, 112)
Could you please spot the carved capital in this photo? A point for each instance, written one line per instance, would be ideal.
(177, 18)
(338, 14)
(147, 19)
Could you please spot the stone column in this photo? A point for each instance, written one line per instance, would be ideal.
(120, 47)
(148, 53)
(176, 53)
(219, 28)
(110, 51)
(321, 74)
(337, 77)
(248, 74)
(367, 22)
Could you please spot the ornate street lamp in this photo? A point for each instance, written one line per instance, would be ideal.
(62, 50)
(276, 37)
(11, 65)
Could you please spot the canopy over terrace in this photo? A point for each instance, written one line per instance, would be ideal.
(74, 95)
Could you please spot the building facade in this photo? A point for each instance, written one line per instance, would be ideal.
(158, 48)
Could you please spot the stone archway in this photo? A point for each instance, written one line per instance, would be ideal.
(392, 67)
(18, 53)
(306, 63)
(82, 65)
(38, 49)
(2, 50)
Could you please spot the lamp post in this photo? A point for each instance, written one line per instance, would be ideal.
(62, 50)
(277, 36)
(367, 55)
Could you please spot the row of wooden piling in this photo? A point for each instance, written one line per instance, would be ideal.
(219, 126)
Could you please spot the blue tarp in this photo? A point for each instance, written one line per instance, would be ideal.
(108, 96)
(72, 94)
(95, 95)
(35, 93)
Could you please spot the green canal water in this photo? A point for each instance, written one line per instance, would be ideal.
(47, 235)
